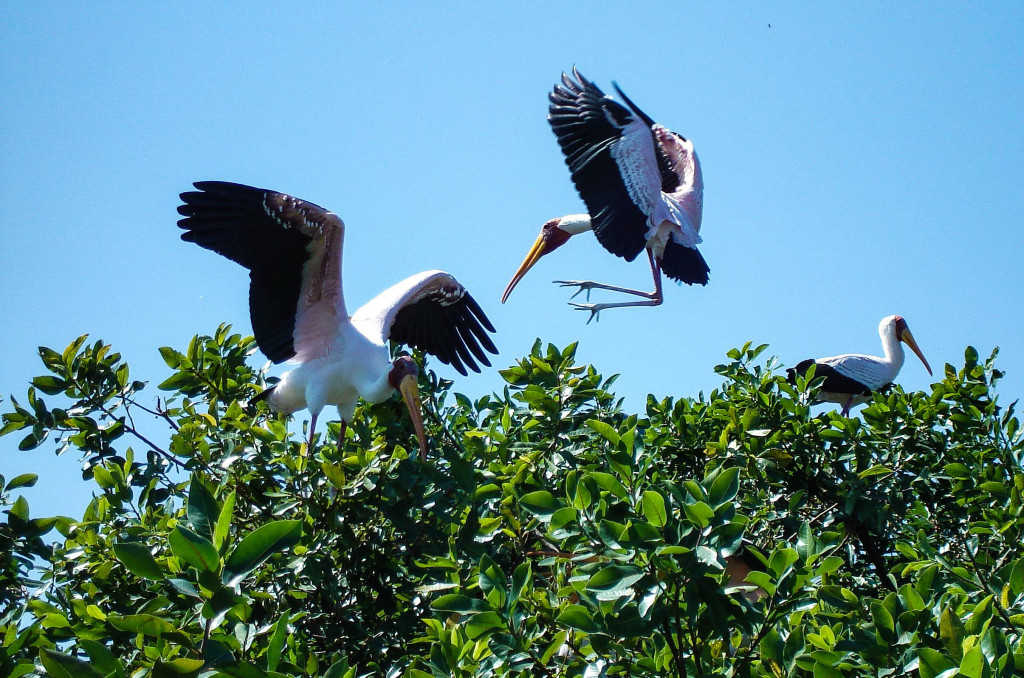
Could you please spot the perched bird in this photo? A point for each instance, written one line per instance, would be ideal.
(292, 249)
(851, 378)
(641, 183)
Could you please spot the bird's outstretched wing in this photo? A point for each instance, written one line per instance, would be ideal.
(292, 249)
(433, 312)
(589, 125)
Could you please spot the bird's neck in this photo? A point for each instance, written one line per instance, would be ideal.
(379, 390)
(893, 351)
(574, 224)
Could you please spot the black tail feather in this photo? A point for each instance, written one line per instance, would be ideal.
(684, 264)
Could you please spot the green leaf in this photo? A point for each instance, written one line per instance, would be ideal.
(171, 357)
(973, 665)
(604, 430)
(50, 385)
(277, 641)
(181, 666)
(227, 512)
(456, 602)
(724, 487)
(653, 508)
(203, 509)
(931, 662)
(195, 550)
(578, 617)
(100, 657)
(24, 480)
(607, 481)
(541, 504)
(258, 546)
(148, 625)
(138, 560)
(951, 631)
(60, 665)
(699, 513)
(615, 578)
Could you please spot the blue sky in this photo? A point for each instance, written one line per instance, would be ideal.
(859, 160)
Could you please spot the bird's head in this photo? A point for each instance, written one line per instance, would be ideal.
(902, 332)
(553, 234)
(403, 378)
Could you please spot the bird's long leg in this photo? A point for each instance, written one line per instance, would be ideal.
(847, 406)
(651, 298)
(341, 434)
(312, 428)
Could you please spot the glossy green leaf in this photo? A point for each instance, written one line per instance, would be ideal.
(653, 508)
(138, 559)
(195, 550)
(202, 508)
(59, 665)
(262, 543)
(541, 504)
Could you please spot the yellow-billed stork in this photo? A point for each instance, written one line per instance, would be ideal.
(851, 378)
(642, 185)
(293, 249)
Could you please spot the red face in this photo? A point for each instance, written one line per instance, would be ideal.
(553, 236)
(402, 367)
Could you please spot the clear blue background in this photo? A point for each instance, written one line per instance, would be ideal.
(860, 159)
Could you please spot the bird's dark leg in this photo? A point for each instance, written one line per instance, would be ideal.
(847, 406)
(341, 434)
(651, 298)
(312, 428)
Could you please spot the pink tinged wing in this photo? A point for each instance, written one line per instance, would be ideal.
(638, 165)
(292, 249)
(321, 304)
(433, 312)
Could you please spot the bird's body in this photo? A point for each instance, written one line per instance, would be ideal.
(851, 378)
(641, 182)
(293, 250)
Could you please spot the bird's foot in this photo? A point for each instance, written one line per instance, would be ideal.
(584, 286)
(595, 309)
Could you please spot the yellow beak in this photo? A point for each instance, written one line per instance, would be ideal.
(534, 255)
(908, 339)
(410, 391)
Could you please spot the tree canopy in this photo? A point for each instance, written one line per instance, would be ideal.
(550, 533)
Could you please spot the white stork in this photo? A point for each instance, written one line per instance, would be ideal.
(851, 378)
(293, 249)
(641, 183)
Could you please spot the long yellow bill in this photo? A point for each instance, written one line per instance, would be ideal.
(410, 390)
(534, 255)
(908, 339)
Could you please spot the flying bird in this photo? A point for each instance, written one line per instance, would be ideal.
(641, 183)
(851, 378)
(293, 249)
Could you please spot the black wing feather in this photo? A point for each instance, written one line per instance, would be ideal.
(231, 219)
(447, 326)
(578, 115)
(834, 381)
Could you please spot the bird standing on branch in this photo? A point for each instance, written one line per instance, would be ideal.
(293, 249)
(642, 185)
(851, 378)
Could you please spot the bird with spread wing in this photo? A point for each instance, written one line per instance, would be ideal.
(642, 185)
(292, 249)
